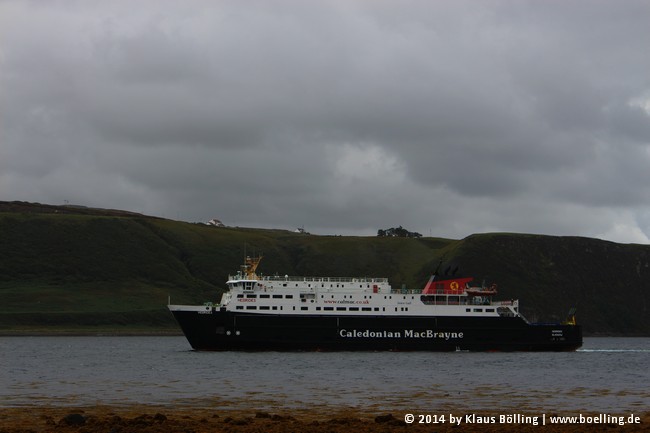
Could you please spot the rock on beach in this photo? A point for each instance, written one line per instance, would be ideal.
(147, 419)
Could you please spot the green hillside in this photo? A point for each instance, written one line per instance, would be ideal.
(93, 270)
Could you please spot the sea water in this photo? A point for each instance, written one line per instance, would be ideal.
(608, 375)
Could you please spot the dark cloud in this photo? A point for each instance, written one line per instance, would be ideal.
(344, 117)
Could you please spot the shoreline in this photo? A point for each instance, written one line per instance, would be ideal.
(163, 418)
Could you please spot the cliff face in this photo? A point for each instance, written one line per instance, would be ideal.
(85, 268)
(608, 282)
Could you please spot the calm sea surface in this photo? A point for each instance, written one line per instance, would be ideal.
(607, 375)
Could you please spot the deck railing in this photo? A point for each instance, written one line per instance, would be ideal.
(315, 279)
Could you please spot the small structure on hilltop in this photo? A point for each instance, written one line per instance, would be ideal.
(215, 222)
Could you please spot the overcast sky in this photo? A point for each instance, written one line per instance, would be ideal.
(445, 117)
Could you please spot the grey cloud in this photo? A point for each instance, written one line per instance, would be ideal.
(342, 116)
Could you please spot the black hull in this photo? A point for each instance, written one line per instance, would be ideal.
(224, 331)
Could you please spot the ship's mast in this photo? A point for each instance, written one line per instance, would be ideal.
(250, 266)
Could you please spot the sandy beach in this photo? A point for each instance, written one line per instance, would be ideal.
(146, 418)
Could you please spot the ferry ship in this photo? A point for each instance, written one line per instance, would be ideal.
(346, 314)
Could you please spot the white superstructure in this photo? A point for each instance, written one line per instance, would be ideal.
(286, 295)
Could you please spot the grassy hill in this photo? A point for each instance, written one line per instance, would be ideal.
(94, 270)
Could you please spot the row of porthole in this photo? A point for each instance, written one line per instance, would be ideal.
(251, 296)
(265, 307)
(322, 296)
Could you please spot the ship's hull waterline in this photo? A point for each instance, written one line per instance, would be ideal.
(215, 330)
